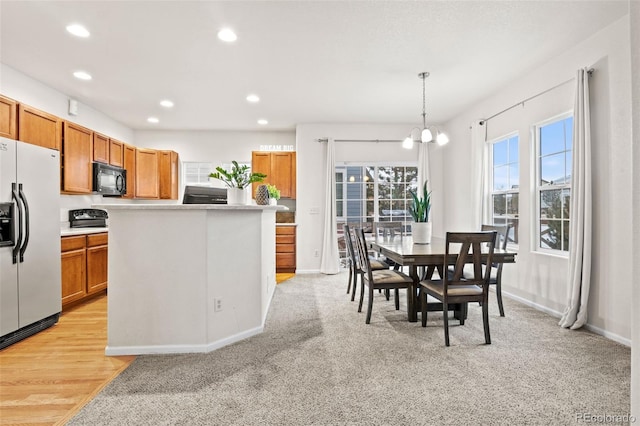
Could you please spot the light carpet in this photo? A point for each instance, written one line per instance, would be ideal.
(318, 363)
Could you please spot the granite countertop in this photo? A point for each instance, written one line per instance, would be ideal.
(286, 224)
(66, 232)
(187, 207)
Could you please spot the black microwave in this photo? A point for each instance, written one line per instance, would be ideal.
(109, 180)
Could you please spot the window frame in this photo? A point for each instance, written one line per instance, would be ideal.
(537, 188)
(491, 192)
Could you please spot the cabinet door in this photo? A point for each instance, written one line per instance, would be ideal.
(283, 173)
(129, 162)
(97, 258)
(73, 275)
(116, 153)
(39, 128)
(8, 117)
(76, 154)
(100, 148)
(168, 175)
(147, 173)
(260, 163)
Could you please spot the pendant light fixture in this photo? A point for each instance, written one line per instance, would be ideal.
(426, 135)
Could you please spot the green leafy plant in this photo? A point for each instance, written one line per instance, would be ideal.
(239, 177)
(421, 206)
(273, 191)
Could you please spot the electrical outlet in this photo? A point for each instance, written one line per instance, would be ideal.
(316, 253)
(217, 305)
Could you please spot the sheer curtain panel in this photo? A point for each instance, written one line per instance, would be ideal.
(330, 260)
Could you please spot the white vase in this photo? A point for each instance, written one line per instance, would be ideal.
(273, 202)
(238, 197)
(421, 232)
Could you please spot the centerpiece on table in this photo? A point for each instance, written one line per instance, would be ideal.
(238, 181)
(274, 194)
(419, 210)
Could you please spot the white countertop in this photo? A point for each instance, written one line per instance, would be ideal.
(65, 232)
(186, 207)
(286, 224)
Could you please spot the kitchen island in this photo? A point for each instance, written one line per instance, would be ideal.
(187, 278)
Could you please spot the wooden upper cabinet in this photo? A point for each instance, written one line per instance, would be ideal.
(129, 164)
(39, 128)
(100, 148)
(8, 118)
(280, 168)
(116, 153)
(168, 169)
(77, 152)
(147, 185)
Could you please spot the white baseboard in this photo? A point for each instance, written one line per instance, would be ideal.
(182, 349)
(556, 314)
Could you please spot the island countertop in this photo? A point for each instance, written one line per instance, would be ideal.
(158, 206)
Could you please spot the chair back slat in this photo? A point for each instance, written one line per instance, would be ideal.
(473, 245)
(363, 254)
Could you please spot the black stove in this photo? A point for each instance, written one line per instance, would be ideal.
(88, 218)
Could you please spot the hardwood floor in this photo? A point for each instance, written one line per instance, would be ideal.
(47, 378)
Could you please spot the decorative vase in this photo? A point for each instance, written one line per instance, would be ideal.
(273, 202)
(238, 197)
(262, 195)
(421, 232)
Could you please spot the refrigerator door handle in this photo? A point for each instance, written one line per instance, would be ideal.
(14, 195)
(26, 222)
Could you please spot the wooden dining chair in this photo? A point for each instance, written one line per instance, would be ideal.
(388, 230)
(454, 287)
(495, 278)
(381, 279)
(354, 263)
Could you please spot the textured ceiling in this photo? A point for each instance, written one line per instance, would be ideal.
(309, 61)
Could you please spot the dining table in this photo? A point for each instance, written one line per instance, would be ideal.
(403, 251)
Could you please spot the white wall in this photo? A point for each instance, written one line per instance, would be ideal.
(537, 278)
(311, 170)
(635, 320)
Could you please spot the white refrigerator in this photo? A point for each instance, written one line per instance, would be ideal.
(30, 289)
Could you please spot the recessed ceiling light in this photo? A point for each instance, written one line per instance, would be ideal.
(153, 120)
(227, 34)
(166, 103)
(82, 75)
(78, 30)
(253, 98)
(262, 122)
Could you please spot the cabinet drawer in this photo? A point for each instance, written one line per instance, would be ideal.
(286, 260)
(285, 239)
(285, 230)
(73, 243)
(97, 239)
(285, 248)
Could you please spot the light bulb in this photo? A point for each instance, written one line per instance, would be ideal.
(407, 143)
(426, 135)
(442, 139)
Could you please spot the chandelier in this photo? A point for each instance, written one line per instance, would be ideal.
(426, 136)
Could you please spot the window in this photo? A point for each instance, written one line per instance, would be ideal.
(367, 194)
(505, 184)
(195, 173)
(553, 183)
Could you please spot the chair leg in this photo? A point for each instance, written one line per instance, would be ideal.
(485, 320)
(386, 293)
(499, 294)
(361, 294)
(349, 282)
(396, 296)
(445, 315)
(370, 307)
(423, 303)
(355, 284)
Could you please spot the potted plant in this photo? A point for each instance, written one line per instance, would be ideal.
(420, 210)
(274, 194)
(237, 180)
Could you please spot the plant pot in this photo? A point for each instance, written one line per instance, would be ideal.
(273, 202)
(238, 197)
(421, 232)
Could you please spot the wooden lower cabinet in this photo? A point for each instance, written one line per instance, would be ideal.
(285, 248)
(84, 266)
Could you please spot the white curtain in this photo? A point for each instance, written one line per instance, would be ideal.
(330, 261)
(579, 274)
(424, 168)
(479, 161)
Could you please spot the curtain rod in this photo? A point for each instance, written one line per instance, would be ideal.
(361, 140)
(590, 71)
